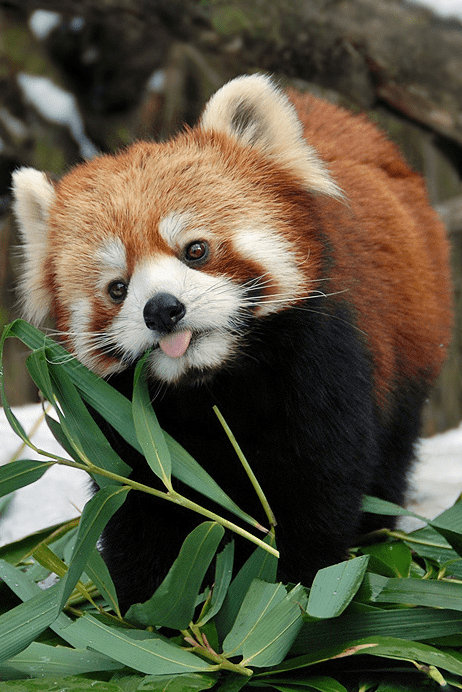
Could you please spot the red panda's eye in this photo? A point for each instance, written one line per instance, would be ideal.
(197, 250)
(117, 291)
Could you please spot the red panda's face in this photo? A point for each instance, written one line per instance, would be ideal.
(175, 273)
(175, 248)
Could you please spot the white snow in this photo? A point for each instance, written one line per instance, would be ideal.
(42, 23)
(57, 106)
(62, 492)
(445, 8)
(59, 495)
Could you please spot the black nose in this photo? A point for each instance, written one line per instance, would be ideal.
(162, 312)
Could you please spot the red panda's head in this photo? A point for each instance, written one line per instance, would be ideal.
(176, 246)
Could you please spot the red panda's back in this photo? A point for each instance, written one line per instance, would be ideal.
(390, 249)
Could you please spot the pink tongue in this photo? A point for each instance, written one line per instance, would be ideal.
(174, 345)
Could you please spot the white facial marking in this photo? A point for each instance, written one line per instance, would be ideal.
(112, 261)
(86, 344)
(172, 227)
(212, 303)
(276, 255)
(112, 255)
(79, 327)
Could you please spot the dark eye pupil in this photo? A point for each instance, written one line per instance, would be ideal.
(117, 290)
(196, 250)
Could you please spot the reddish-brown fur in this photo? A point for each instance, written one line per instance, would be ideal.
(389, 248)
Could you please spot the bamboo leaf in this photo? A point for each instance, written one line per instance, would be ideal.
(46, 557)
(11, 418)
(260, 565)
(21, 625)
(81, 430)
(60, 436)
(187, 682)
(259, 599)
(173, 603)
(37, 366)
(404, 623)
(275, 632)
(391, 559)
(16, 551)
(253, 479)
(223, 574)
(141, 650)
(448, 524)
(376, 505)
(334, 587)
(69, 683)
(95, 516)
(387, 647)
(26, 589)
(114, 407)
(99, 574)
(44, 660)
(430, 593)
(20, 473)
(310, 684)
(150, 434)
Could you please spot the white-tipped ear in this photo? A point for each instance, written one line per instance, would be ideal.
(258, 114)
(33, 195)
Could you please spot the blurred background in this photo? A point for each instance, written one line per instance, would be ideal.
(82, 76)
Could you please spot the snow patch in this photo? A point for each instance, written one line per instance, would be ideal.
(57, 106)
(42, 23)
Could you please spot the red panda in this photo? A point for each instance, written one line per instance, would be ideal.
(281, 261)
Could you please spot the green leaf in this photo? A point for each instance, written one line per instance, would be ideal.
(150, 434)
(189, 682)
(44, 660)
(387, 647)
(274, 633)
(392, 559)
(60, 436)
(21, 625)
(311, 683)
(99, 574)
(25, 589)
(232, 683)
(375, 505)
(37, 365)
(334, 587)
(11, 418)
(260, 565)
(430, 544)
(173, 603)
(81, 430)
(141, 650)
(18, 474)
(260, 598)
(423, 592)
(406, 623)
(114, 407)
(448, 524)
(95, 516)
(71, 683)
(223, 574)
